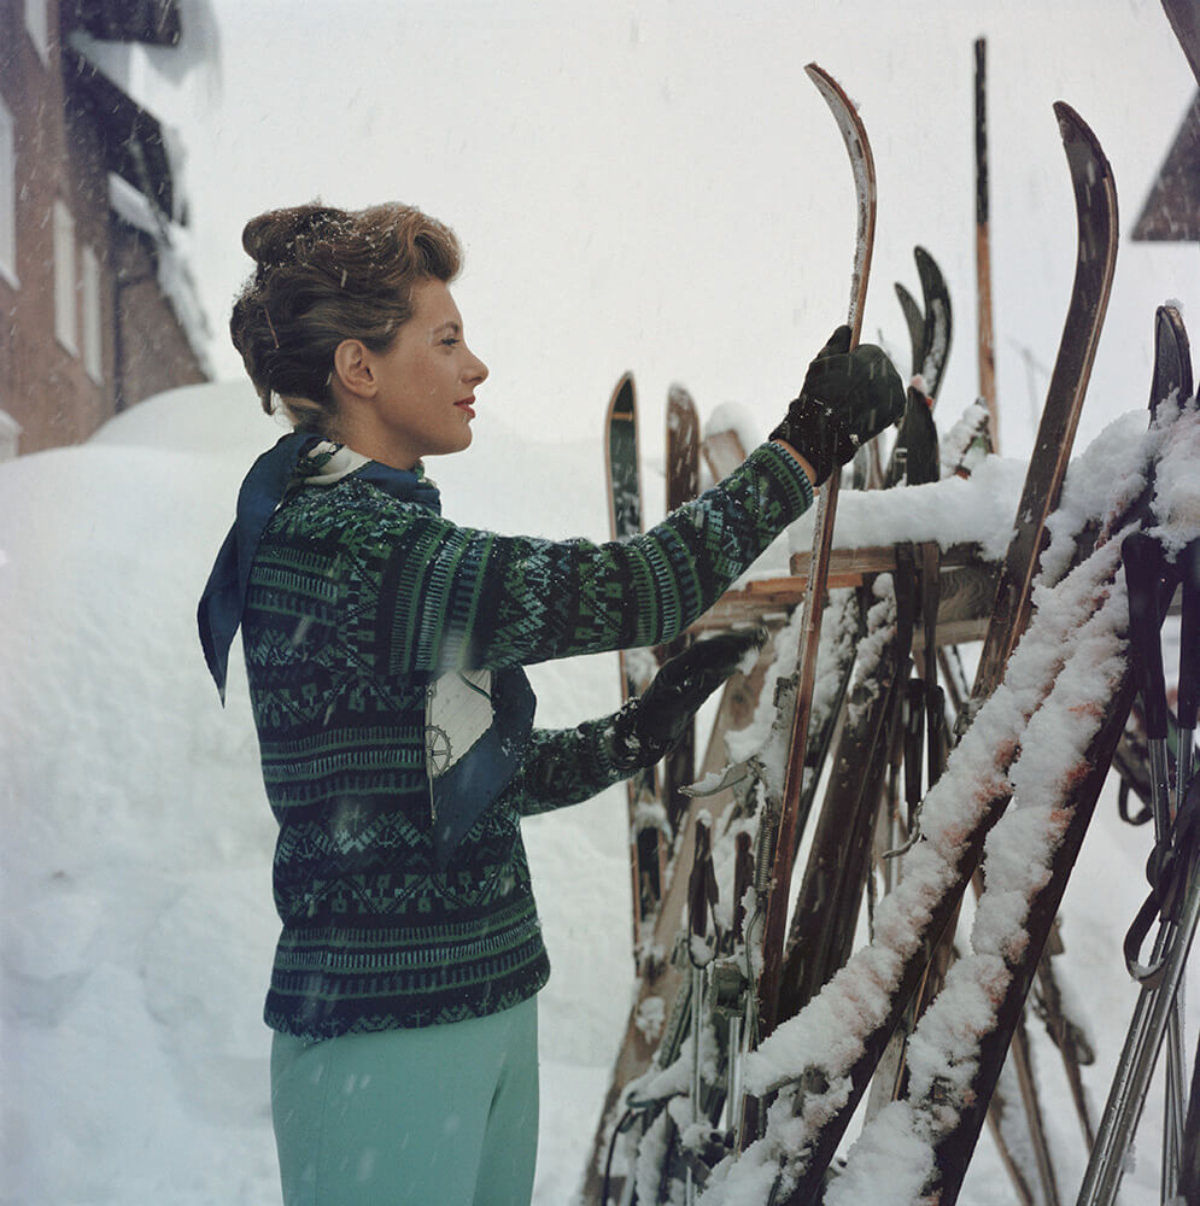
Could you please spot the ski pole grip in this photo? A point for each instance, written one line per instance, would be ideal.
(1143, 560)
(1189, 657)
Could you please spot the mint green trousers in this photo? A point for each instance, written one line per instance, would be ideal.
(439, 1116)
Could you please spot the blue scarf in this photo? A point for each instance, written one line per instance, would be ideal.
(224, 598)
(458, 797)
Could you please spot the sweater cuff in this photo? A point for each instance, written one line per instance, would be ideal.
(789, 471)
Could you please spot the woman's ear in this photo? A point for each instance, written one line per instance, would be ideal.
(352, 368)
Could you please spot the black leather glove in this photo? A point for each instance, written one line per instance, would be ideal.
(649, 725)
(848, 398)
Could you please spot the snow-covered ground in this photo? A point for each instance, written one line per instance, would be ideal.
(137, 922)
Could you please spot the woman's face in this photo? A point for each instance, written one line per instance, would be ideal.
(425, 384)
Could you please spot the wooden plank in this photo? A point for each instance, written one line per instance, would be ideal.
(964, 606)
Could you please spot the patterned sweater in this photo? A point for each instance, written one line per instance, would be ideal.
(355, 601)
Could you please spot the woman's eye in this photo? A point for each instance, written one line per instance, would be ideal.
(450, 341)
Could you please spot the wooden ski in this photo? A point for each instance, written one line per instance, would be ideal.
(625, 516)
(683, 484)
(775, 930)
(1095, 198)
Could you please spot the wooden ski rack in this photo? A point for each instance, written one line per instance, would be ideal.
(967, 591)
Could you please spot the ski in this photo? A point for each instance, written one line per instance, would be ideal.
(915, 458)
(817, 1119)
(838, 872)
(637, 667)
(826, 912)
(1074, 641)
(1077, 791)
(784, 836)
(1174, 867)
(683, 484)
(1095, 263)
(937, 326)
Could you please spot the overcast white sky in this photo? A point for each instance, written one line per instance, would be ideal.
(656, 185)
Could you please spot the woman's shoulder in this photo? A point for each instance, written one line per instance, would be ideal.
(351, 510)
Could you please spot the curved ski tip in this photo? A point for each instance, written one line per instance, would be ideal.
(1071, 125)
(1073, 130)
(624, 392)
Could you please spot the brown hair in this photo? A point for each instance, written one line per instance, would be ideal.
(324, 275)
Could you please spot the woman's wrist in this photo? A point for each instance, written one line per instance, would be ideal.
(801, 461)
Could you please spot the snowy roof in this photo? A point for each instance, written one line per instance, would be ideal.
(174, 274)
(135, 146)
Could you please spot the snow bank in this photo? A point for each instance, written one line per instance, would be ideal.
(137, 923)
(138, 927)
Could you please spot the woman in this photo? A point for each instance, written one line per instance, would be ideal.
(384, 647)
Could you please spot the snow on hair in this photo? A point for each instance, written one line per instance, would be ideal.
(324, 275)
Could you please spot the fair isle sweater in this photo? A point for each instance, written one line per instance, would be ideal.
(356, 599)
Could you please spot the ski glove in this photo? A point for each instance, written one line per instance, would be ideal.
(848, 398)
(650, 724)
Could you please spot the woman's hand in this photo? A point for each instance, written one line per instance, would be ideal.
(648, 726)
(848, 398)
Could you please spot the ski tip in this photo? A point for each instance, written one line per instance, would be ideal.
(1067, 116)
(1172, 356)
(835, 95)
(1072, 129)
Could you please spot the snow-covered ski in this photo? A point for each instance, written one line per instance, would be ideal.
(831, 1095)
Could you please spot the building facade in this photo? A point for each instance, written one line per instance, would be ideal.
(97, 307)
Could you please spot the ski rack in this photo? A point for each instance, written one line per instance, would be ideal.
(963, 612)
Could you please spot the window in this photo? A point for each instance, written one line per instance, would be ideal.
(8, 196)
(64, 277)
(37, 23)
(89, 289)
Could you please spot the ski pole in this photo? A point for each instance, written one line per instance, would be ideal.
(1189, 667)
(1142, 1045)
(1189, 1180)
(1158, 1000)
(983, 253)
(702, 895)
(1146, 567)
(739, 1022)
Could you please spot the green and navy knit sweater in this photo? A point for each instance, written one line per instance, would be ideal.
(355, 599)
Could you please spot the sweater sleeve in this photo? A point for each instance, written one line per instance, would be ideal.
(462, 598)
(563, 767)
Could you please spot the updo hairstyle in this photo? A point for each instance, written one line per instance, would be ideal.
(325, 275)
